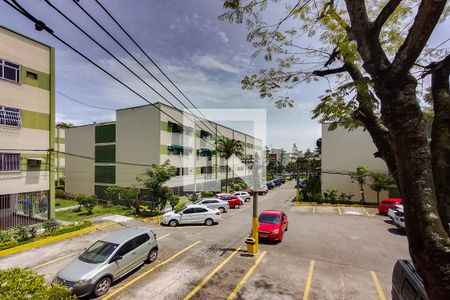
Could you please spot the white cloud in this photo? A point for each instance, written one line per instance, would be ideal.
(223, 37)
(212, 63)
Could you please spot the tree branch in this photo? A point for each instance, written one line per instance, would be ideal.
(426, 19)
(384, 15)
(323, 73)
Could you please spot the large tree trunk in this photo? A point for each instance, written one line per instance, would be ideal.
(429, 244)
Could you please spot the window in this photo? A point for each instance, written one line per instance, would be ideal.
(5, 202)
(31, 75)
(98, 252)
(9, 162)
(141, 239)
(206, 170)
(408, 291)
(9, 71)
(126, 248)
(201, 210)
(207, 202)
(189, 211)
(10, 116)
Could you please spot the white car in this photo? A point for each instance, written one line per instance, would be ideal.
(214, 203)
(399, 218)
(393, 210)
(191, 214)
(244, 196)
(264, 187)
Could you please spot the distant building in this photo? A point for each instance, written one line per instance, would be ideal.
(27, 129)
(280, 155)
(342, 152)
(60, 148)
(114, 153)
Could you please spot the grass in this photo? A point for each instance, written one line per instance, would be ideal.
(73, 215)
(60, 203)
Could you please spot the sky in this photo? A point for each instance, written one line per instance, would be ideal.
(206, 58)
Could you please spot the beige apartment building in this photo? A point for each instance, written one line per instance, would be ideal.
(27, 124)
(342, 152)
(104, 154)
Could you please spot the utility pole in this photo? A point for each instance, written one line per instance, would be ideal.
(253, 247)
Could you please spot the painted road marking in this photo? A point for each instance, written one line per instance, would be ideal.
(210, 275)
(162, 237)
(53, 261)
(369, 215)
(121, 288)
(314, 209)
(340, 212)
(246, 276)
(308, 280)
(377, 286)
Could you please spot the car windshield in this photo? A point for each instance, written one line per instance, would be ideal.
(389, 202)
(98, 252)
(271, 219)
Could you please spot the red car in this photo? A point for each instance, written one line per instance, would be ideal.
(233, 201)
(272, 224)
(388, 203)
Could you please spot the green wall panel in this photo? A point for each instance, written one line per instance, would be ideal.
(105, 174)
(42, 81)
(163, 149)
(164, 126)
(24, 166)
(105, 133)
(105, 154)
(35, 120)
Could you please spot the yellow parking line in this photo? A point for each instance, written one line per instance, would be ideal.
(308, 280)
(377, 286)
(53, 261)
(210, 275)
(340, 212)
(246, 276)
(121, 288)
(314, 209)
(162, 237)
(366, 211)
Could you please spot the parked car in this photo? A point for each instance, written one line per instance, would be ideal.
(272, 224)
(250, 191)
(233, 201)
(270, 185)
(191, 214)
(107, 260)
(300, 184)
(388, 203)
(393, 210)
(406, 283)
(399, 218)
(214, 203)
(244, 196)
(276, 182)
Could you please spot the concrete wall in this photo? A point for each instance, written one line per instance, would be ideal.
(342, 152)
(80, 171)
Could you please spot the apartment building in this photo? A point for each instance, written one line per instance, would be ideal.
(27, 129)
(60, 148)
(104, 154)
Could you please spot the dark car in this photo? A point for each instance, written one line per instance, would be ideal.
(277, 182)
(406, 283)
(270, 185)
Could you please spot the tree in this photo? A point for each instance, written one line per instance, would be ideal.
(360, 176)
(64, 125)
(129, 194)
(377, 54)
(174, 200)
(154, 178)
(226, 148)
(381, 182)
(294, 148)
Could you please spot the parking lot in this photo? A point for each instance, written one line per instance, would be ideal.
(327, 253)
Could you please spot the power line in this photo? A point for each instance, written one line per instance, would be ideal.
(137, 61)
(39, 25)
(84, 103)
(150, 59)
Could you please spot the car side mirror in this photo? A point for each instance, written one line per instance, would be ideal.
(116, 258)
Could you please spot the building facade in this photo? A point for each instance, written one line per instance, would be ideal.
(60, 148)
(342, 152)
(114, 153)
(27, 130)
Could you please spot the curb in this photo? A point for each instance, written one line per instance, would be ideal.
(54, 239)
(153, 219)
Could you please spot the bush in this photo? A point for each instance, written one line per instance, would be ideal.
(194, 197)
(8, 244)
(5, 236)
(331, 196)
(317, 198)
(181, 204)
(69, 196)
(87, 202)
(60, 193)
(299, 196)
(174, 200)
(51, 225)
(66, 229)
(207, 194)
(18, 283)
(22, 233)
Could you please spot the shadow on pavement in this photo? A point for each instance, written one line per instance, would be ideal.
(397, 231)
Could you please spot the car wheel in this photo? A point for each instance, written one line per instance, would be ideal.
(221, 209)
(281, 239)
(209, 222)
(152, 255)
(286, 228)
(173, 223)
(102, 286)
(237, 206)
(247, 200)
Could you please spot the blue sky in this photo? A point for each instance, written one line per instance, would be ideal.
(207, 58)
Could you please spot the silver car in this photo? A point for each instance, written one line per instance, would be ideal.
(214, 203)
(191, 214)
(244, 196)
(108, 260)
